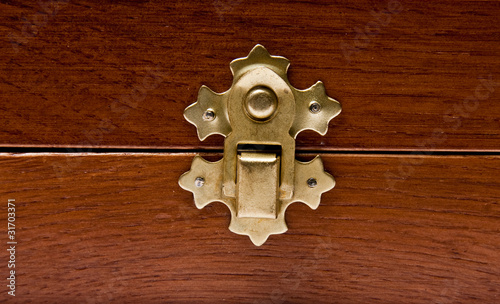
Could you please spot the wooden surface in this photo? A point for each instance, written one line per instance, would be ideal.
(116, 228)
(73, 74)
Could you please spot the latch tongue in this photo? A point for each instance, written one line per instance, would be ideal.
(257, 185)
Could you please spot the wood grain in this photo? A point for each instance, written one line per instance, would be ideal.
(116, 228)
(74, 74)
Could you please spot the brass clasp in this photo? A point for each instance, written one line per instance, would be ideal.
(260, 116)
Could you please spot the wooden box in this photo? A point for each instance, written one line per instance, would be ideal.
(93, 142)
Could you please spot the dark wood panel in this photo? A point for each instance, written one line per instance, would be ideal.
(120, 73)
(117, 228)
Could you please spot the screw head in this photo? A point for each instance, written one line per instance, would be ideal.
(314, 107)
(209, 115)
(312, 182)
(199, 182)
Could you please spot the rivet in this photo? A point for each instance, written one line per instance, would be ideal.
(314, 107)
(312, 182)
(199, 182)
(209, 115)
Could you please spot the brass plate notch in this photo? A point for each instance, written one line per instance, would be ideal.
(261, 109)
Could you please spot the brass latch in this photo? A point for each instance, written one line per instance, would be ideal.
(260, 116)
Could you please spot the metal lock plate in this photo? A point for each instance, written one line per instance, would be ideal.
(260, 116)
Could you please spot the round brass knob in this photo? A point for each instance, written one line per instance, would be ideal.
(261, 103)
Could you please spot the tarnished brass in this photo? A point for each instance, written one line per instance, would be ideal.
(261, 103)
(261, 109)
(257, 192)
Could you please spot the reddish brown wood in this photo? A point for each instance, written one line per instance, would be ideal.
(71, 84)
(117, 228)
